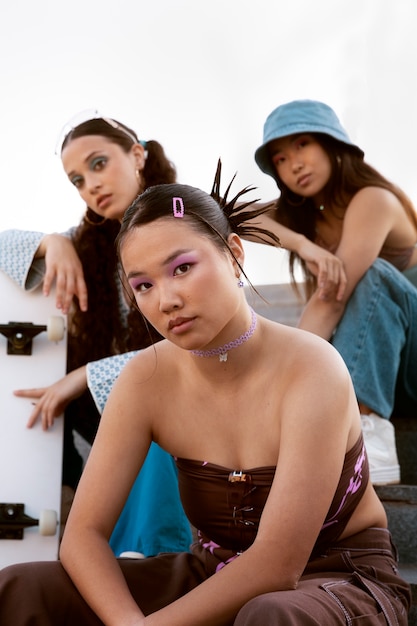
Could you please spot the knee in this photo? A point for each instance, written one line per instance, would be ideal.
(372, 277)
(385, 276)
(41, 593)
(13, 574)
(16, 580)
(19, 589)
(277, 607)
(264, 609)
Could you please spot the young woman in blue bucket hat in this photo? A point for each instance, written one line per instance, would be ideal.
(332, 201)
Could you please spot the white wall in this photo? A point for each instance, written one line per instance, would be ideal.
(200, 77)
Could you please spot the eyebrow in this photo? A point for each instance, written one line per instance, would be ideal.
(276, 147)
(275, 150)
(165, 262)
(294, 138)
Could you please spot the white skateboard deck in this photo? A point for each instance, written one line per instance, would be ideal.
(30, 459)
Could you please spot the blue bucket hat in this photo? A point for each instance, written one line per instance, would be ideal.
(299, 116)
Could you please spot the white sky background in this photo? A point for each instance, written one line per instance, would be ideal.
(200, 77)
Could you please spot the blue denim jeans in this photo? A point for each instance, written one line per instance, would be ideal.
(411, 274)
(377, 338)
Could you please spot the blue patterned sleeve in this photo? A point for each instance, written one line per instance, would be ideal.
(17, 251)
(102, 374)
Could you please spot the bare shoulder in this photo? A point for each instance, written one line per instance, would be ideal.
(373, 210)
(303, 352)
(146, 366)
(138, 394)
(312, 381)
(376, 198)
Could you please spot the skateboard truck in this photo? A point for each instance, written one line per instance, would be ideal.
(20, 334)
(13, 521)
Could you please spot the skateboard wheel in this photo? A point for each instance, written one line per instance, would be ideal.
(55, 328)
(48, 520)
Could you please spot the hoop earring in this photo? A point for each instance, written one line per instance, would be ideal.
(88, 219)
(296, 204)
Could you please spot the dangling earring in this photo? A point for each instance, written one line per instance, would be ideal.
(240, 283)
(139, 180)
(93, 222)
(338, 160)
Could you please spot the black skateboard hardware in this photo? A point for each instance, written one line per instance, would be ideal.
(19, 336)
(13, 520)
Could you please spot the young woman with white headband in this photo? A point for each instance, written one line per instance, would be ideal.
(109, 166)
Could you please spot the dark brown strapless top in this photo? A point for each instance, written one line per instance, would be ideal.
(226, 504)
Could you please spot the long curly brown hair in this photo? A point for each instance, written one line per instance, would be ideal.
(350, 173)
(106, 328)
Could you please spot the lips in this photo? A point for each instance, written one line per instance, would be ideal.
(303, 180)
(177, 322)
(103, 201)
(180, 324)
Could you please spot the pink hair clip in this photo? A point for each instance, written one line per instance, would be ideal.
(178, 207)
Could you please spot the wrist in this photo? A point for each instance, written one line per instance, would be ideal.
(78, 379)
(82, 377)
(41, 249)
(298, 243)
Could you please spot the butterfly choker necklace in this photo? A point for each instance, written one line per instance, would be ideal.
(223, 350)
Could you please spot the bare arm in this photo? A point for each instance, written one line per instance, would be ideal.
(62, 263)
(370, 217)
(53, 400)
(95, 510)
(328, 268)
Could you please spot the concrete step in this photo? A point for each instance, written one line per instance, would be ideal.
(400, 503)
(406, 440)
(279, 303)
(409, 573)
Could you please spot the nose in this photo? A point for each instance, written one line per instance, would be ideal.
(169, 297)
(93, 183)
(296, 163)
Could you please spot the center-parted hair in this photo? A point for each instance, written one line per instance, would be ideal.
(349, 174)
(105, 329)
